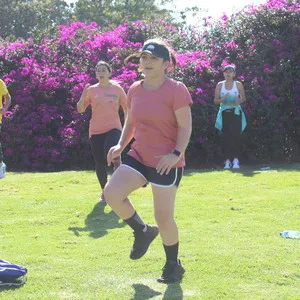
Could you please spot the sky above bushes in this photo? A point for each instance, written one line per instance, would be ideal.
(213, 8)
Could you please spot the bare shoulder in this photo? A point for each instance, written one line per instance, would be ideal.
(238, 83)
(114, 83)
(219, 84)
(134, 86)
(117, 86)
(176, 85)
(93, 86)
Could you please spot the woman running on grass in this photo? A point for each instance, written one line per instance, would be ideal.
(105, 99)
(159, 119)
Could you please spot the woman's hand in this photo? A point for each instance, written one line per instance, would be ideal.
(113, 153)
(166, 163)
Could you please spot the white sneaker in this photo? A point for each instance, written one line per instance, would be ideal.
(236, 164)
(2, 170)
(227, 164)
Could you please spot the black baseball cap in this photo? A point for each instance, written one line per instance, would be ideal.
(157, 50)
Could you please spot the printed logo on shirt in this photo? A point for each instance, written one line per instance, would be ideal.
(113, 97)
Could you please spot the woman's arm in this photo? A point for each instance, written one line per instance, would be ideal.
(242, 93)
(7, 102)
(126, 137)
(218, 99)
(184, 123)
(125, 112)
(127, 132)
(81, 103)
(123, 104)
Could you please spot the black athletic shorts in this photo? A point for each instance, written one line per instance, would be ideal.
(151, 175)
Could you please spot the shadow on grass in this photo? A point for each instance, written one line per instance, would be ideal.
(249, 171)
(143, 292)
(246, 171)
(6, 288)
(98, 222)
(174, 292)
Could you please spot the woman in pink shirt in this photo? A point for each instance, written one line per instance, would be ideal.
(159, 120)
(105, 99)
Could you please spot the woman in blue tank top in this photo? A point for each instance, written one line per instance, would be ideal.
(231, 120)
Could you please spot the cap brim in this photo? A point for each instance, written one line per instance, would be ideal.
(139, 54)
(135, 57)
(152, 53)
(230, 68)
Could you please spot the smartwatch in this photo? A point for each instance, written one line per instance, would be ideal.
(176, 152)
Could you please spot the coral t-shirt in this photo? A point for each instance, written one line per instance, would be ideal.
(105, 103)
(154, 120)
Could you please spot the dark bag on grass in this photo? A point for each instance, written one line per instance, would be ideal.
(11, 274)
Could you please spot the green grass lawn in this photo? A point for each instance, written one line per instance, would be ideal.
(229, 224)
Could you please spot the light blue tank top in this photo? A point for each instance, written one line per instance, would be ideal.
(233, 93)
(231, 98)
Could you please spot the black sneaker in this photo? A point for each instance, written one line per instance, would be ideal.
(172, 272)
(142, 241)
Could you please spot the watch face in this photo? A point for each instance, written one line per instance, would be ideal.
(176, 152)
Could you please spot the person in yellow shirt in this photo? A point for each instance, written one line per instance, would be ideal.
(5, 101)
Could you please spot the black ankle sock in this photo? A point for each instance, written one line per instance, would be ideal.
(172, 252)
(135, 222)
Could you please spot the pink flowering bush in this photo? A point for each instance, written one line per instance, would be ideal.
(43, 131)
(264, 44)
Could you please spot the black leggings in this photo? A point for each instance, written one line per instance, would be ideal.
(100, 144)
(1, 153)
(231, 134)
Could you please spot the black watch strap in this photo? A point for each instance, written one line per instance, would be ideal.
(176, 152)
